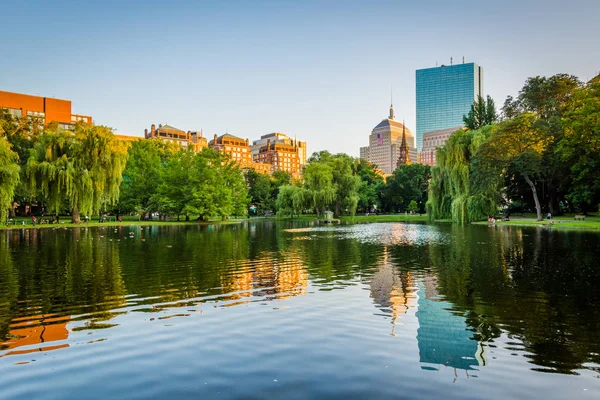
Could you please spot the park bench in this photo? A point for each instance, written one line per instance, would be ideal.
(580, 217)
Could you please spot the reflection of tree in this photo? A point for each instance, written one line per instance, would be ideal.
(531, 284)
(62, 273)
(8, 287)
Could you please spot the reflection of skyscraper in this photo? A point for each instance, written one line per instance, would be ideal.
(444, 338)
(391, 290)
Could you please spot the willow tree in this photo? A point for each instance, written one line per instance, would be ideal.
(83, 168)
(9, 176)
(318, 180)
(459, 189)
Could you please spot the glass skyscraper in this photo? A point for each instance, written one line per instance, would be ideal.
(444, 95)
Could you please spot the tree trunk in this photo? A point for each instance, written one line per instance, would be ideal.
(337, 208)
(538, 208)
(553, 200)
(75, 219)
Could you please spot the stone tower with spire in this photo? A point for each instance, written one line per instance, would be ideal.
(404, 156)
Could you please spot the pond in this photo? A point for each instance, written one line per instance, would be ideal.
(293, 311)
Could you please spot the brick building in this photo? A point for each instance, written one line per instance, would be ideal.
(189, 139)
(46, 109)
(281, 157)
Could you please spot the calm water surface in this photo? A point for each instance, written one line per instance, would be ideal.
(276, 310)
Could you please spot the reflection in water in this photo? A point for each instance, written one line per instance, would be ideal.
(392, 289)
(443, 336)
(472, 294)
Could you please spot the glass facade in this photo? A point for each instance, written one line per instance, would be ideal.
(444, 95)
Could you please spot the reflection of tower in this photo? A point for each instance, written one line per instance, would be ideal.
(443, 336)
(391, 290)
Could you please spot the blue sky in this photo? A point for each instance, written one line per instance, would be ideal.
(319, 70)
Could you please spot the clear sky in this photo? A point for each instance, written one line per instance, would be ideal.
(318, 70)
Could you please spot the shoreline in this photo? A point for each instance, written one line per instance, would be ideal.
(559, 224)
(357, 219)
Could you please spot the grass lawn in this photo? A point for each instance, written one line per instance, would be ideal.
(591, 222)
(65, 222)
(360, 219)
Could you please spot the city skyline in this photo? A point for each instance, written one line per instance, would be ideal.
(311, 70)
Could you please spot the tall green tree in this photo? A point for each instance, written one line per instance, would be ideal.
(370, 185)
(83, 167)
(141, 177)
(259, 190)
(204, 185)
(547, 98)
(519, 144)
(580, 146)
(346, 184)
(407, 183)
(9, 177)
(482, 113)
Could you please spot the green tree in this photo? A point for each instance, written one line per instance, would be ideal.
(580, 146)
(279, 178)
(482, 113)
(141, 177)
(412, 206)
(460, 188)
(291, 200)
(519, 144)
(409, 182)
(318, 180)
(259, 190)
(370, 185)
(9, 176)
(547, 98)
(204, 185)
(346, 184)
(84, 167)
(22, 133)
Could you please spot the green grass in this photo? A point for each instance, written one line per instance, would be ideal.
(359, 219)
(65, 222)
(591, 222)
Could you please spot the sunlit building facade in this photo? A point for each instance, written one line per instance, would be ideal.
(281, 157)
(444, 94)
(45, 109)
(280, 138)
(432, 141)
(167, 133)
(385, 144)
(237, 148)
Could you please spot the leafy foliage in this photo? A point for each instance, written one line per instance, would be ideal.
(83, 167)
(482, 113)
(9, 176)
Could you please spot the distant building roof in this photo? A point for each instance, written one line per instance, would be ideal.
(219, 139)
(390, 122)
(169, 128)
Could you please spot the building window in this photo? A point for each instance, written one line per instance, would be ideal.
(15, 112)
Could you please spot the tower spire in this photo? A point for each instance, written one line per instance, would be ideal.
(391, 116)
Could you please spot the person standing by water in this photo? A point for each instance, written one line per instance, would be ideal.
(33, 220)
